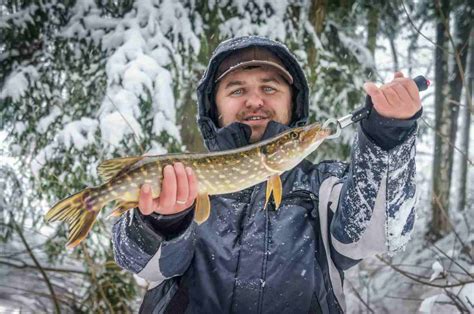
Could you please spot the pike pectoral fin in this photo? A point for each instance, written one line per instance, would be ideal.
(121, 207)
(274, 185)
(203, 208)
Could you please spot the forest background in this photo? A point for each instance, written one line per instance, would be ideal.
(84, 81)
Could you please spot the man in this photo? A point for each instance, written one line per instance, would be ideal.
(244, 259)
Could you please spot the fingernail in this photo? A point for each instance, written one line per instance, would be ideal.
(146, 188)
(189, 171)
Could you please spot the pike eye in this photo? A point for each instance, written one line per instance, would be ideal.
(294, 136)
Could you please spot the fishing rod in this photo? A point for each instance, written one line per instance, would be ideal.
(364, 111)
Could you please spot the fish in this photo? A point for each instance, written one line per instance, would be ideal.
(217, 173)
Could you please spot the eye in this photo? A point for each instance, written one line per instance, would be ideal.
(269, 89)
(294, 135)
(237, 92)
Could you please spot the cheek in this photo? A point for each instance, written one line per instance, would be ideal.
(283, 108)
(228, 111)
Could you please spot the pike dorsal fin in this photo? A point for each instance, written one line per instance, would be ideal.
(110, 168)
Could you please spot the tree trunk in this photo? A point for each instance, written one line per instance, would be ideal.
(190, 133)
(396, 66)
(317, 17)
(372, 30)
(440, 191)
(462, 28)
(466, 126)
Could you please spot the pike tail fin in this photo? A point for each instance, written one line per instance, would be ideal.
(79, 211)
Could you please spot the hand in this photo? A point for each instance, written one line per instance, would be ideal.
(179, 189)
(399, 99)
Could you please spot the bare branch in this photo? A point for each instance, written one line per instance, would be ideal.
(454, 261)
(38, 265)
(359, 297)
(446, 139)
(94, 278)
(23, 265)
(445, 214)
(427, 283)
(419, 31)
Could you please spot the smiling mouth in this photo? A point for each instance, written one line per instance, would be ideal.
(255, 118)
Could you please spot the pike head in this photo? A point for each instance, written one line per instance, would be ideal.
(292, 146)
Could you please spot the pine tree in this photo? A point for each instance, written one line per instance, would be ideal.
(83, 81)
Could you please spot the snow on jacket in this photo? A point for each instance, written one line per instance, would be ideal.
(244, 259)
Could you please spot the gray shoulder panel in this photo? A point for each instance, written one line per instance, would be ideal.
(325, 196)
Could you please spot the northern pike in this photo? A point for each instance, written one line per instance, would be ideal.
(217, 173)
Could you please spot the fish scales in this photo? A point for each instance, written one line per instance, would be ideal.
(217, 173)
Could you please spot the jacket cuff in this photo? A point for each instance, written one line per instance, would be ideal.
(168, 226)
(388, 133)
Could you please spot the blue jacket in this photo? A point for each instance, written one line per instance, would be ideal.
(247, 260)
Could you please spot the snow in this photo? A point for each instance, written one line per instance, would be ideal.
(428, 303)
(358, 49)
(44, 122)
(114, 126)
(147, 54)
(18, 82)
(79, 133)
(437, 269)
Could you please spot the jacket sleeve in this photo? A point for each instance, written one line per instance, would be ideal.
(371, 208)
(155, 247)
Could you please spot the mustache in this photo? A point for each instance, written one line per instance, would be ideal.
(260, 112)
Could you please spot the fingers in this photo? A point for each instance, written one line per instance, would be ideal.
(398, 99)
(378, 97)
(403, 94)
(145, 200)
(178, 192)
(179, 189)
(168, 191)
(397, 74)
(182, 191)
(193, 186)
(391, 95)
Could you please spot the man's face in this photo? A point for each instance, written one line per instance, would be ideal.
(254, 97)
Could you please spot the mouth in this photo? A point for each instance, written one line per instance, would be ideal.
(255, 119)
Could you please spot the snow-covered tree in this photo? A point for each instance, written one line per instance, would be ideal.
(83, 81)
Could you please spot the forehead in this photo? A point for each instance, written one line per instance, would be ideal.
(253, 74)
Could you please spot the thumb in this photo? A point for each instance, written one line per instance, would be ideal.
(398, 74)
(370, 88)
(375, 93)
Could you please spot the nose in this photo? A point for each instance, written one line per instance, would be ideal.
(254, 100)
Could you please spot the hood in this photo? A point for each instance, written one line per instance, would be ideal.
(237, 134)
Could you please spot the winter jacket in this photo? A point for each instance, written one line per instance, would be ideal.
(246, 259)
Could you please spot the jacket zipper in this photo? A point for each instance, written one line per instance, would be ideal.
(293, 194)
